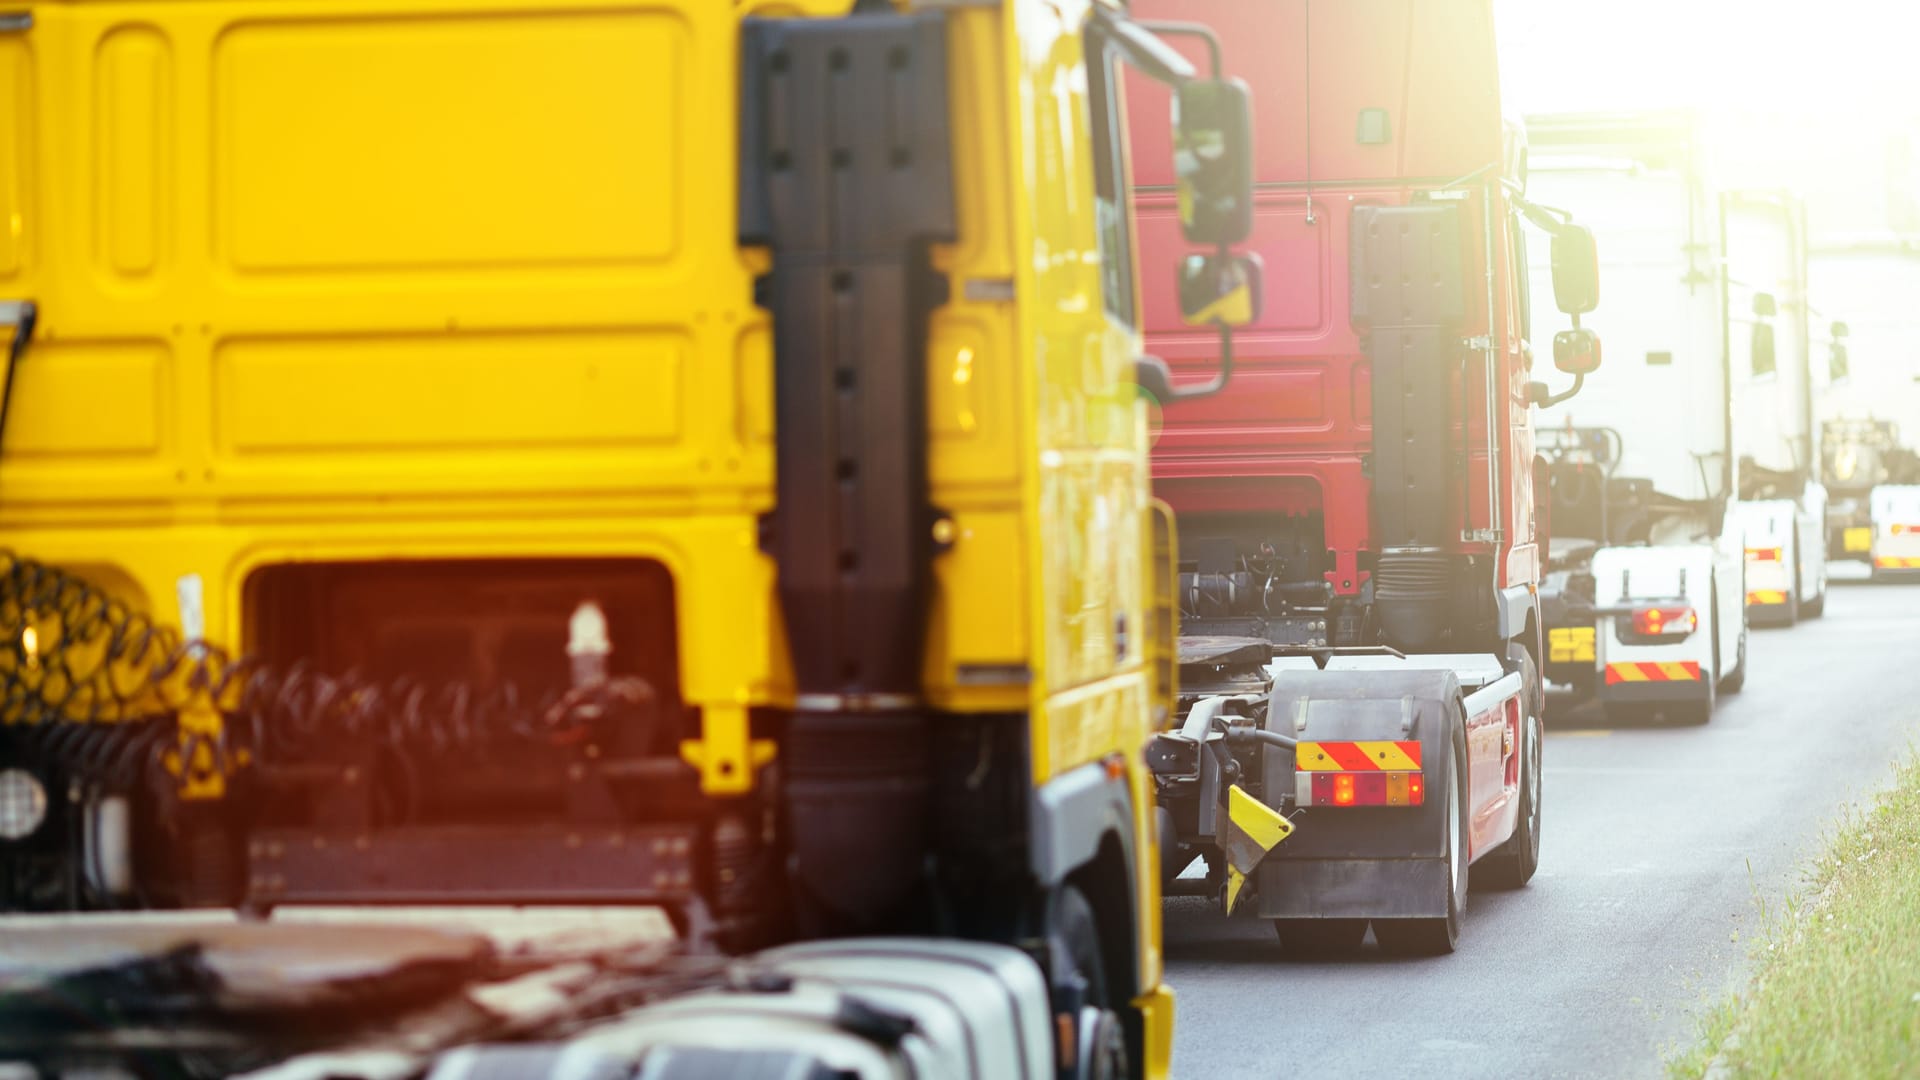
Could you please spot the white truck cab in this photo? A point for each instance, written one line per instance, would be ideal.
(1786, 555)
(1671, 484)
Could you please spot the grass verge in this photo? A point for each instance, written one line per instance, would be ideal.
(1836, 987)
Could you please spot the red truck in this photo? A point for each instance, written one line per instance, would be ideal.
(1356, 511)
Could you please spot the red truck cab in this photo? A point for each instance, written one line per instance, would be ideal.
(1359, 499)
(1367, 477)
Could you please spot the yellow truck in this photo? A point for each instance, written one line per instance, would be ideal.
(680, 454)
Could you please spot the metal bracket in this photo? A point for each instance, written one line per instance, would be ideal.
(989, 290)
(16, 22)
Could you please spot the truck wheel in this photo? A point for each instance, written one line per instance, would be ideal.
(1737, 678)
(1817, 606)
(1320, 937)
(1511, 865)
(1101, 1050)
(1437, 937)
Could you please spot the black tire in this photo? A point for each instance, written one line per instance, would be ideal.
(1101, 1053)
(1736, 680)
(1817, 606)
(1103, 1046)
(1320, 937)
(1512, 864)
(1438, 936)
(1793, 603)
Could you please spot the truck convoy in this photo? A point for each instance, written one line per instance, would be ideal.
(1358, 538)
(559, 454)
(1671, 521)
(1870, 408)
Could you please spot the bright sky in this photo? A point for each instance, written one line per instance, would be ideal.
(1804, 93)
(1767, 55)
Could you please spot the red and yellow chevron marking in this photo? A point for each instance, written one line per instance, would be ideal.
(1357, 756)
(1682, 671)
(1896, 562)
(1766, 596)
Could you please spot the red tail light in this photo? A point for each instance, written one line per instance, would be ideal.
(1763, 554)
(1343, 789)
(1902, 530)
(1363, 789)
(1665, 621)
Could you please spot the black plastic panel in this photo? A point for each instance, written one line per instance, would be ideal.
(846, 177)
(1408, 293)
(457, 865)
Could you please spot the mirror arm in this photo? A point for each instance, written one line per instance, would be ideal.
(1167, 27)
(1220, 378)
(1549, 400)
(1144, 50)
(1153, 376)
(1548, 219)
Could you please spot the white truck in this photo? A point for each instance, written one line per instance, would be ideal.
(1867, 283)
(1679, 492)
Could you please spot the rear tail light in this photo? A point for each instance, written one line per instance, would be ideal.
(1363, 789)
(1665, 621)
(1771, 554)
(1906, 530)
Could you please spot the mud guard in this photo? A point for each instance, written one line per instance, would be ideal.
(1368, 862)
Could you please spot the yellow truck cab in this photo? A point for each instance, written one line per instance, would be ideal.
(684, 454)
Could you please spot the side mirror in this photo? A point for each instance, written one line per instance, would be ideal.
(1763, 357)
(1222, 290)
(1213, 160)
(1576, 272)
(1576, 351)
(1215, 290)
(1764, 305)
(1837, 365)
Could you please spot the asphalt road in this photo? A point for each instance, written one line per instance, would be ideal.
(1658, 845)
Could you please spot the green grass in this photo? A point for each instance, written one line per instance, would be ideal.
(1836, 987)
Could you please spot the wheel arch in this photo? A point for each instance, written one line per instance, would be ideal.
(1083, 835)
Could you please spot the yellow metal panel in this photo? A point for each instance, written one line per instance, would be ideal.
(90, 400)
(133, 113)
(977, 652)
(531, 138)
(377, 279)
(1156, 1014)
(17, 172)
(753, 357)
(565, 389)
